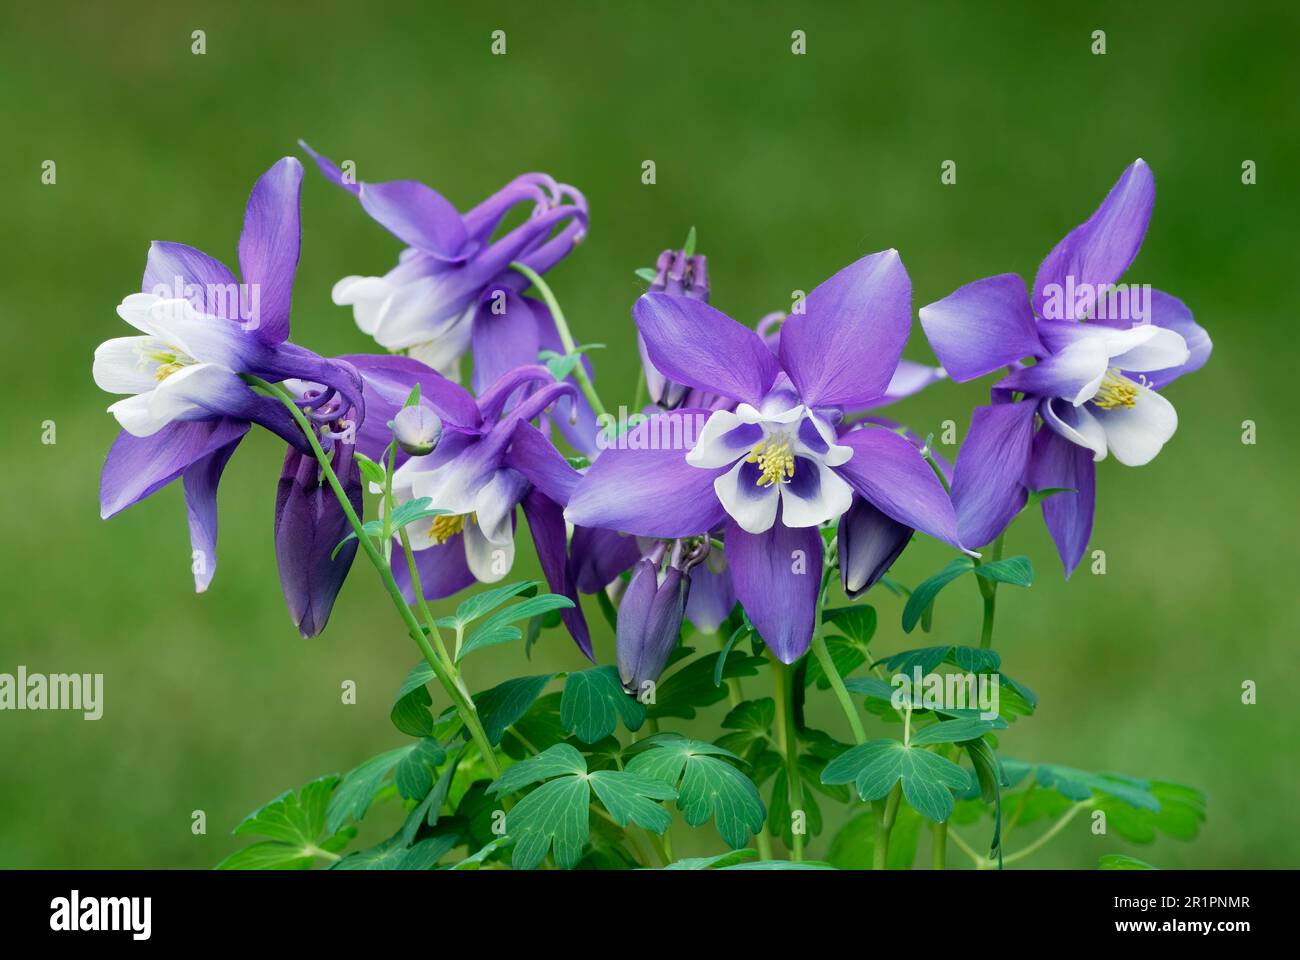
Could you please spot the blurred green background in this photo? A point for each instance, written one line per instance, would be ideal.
(790, 167)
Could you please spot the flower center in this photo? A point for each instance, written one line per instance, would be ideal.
(1116, 391)
(774, 459)
(169, 359)
(445, 526)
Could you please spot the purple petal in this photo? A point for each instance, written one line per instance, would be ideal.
(891, 473)
(417, 215)
(645, 486)
(268, 247)
(1072, 374)
(982, 326)
(546, 521)
(330, 169)
(692, 343)
(869, 543)
(174, 265)
(777, 575)
(387, 382)
(200, 482)
(505, 336)
(533, 455)
(1099, 250)
(989, 483)
(597, 557)
(1055, 462)
(712, 598)
(139, 466)
(843, 349)
(1170, 312)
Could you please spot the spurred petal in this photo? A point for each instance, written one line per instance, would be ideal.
(597, 556)
(268, 247)
(843, 349)
(777, 575)
(989, 483)
(892, 474)
(982, 326)
(546, 522)
(1099, 250)
(505, 336)
(645, 486)
(1056, 463)
(138, 466)
(869, 543)
(1171, 313)
(417, 215)
(692, 343)
(331, 171)
(200, 482)
(712, 598)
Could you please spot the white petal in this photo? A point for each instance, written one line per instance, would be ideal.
(136, 416)
(366, 296)
(1155, 349)
(751, 506)
(201, 389)
(1083, 430)
(448, 487)
(118, 367)
(205, 338)
(136, 309)
(488, 560)
(1135, 434)
(715, 448)
(495, 506)
(833, 498)
(835, 454)
(443, 354)
(416, 312)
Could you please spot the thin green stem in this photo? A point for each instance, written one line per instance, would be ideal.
(789, 748)
(823, 655)
(566, 338)
(1047, 837)
(940, 856)
(888, 812)
(449, 680)
(387, 539)
(989, 590)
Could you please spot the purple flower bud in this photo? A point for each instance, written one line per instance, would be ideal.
(649, 623)
(681, 276)
(417, 430)
(869, 543)
(309, 524)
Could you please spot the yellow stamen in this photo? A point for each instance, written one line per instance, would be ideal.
(446, 526)
(774, 459)
(1116, 391)
(165, 370)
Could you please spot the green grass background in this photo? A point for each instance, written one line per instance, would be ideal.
(790, 167)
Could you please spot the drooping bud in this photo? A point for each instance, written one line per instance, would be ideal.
(649, 623)
(417, 430)
(309, 524)
(869, 543)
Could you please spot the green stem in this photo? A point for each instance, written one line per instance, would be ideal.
(989, 590)
(764, 843)
(449, 680)
(837, 683)
(789, 748)
(1046, 837)
(940, 845)
(566, 338)
(888, 813)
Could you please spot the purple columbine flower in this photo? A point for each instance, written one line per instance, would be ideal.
(187, 407)
(775, 468)
(453, 288)
(489, 460)
(1100, 355)
(650, 616)
(678, 275)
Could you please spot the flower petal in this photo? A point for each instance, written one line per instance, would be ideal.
(814, 495)
(1075, 424)
(1172, 314)
(751, 506)
(536, 458)
(546, 522)
(598, 556)
(200, 481)
(869, 543)
(843, 349)
(117, 367)
(724, 439)
(417, 215)
(777, 575)
(138, 466)
(711, 599)
(269, 245)
(1136, 434)
(1057, 463)
(1099, 250)
(989, 483)
(504, 336)
(891, 473)
(692, 343)
(172, 267)
(1073, 374)
(982, 326)
(646, 487)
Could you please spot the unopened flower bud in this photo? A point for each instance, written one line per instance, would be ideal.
(417, 430)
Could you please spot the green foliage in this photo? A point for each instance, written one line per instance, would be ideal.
(875, 766)
(1120, 861)
(295, 823)
(593, 703)
(403, 515)
(1013, 570)
(699, 683)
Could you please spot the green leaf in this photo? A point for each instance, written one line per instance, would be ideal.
(926, 591)
(716, 862)
(295, 823)
(268, 855)
(1122, 861)
(475, 860)
(371, 472)
(647, 274)
(410, 713)
(554, 816)
(853, 847)
(954, 731)
(1038, 496)
(413, 775)
(352, 797)
(781, 865)
(689, 247)
(858, 622)
(413, 398)
(707, 787)
(630, 798)
(877, 765)
(693, 686)
(485, 602)
(720, 663)
(501, 706)
(847, 655)
(1017, 571)
(537, 729)
(554, 761)
(496, 628)
(593, 703)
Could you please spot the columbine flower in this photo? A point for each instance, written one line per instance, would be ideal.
(187, 407)
(453, 287)
(678, 275)
(1094, 381)
(775, 468)
(489, 460)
